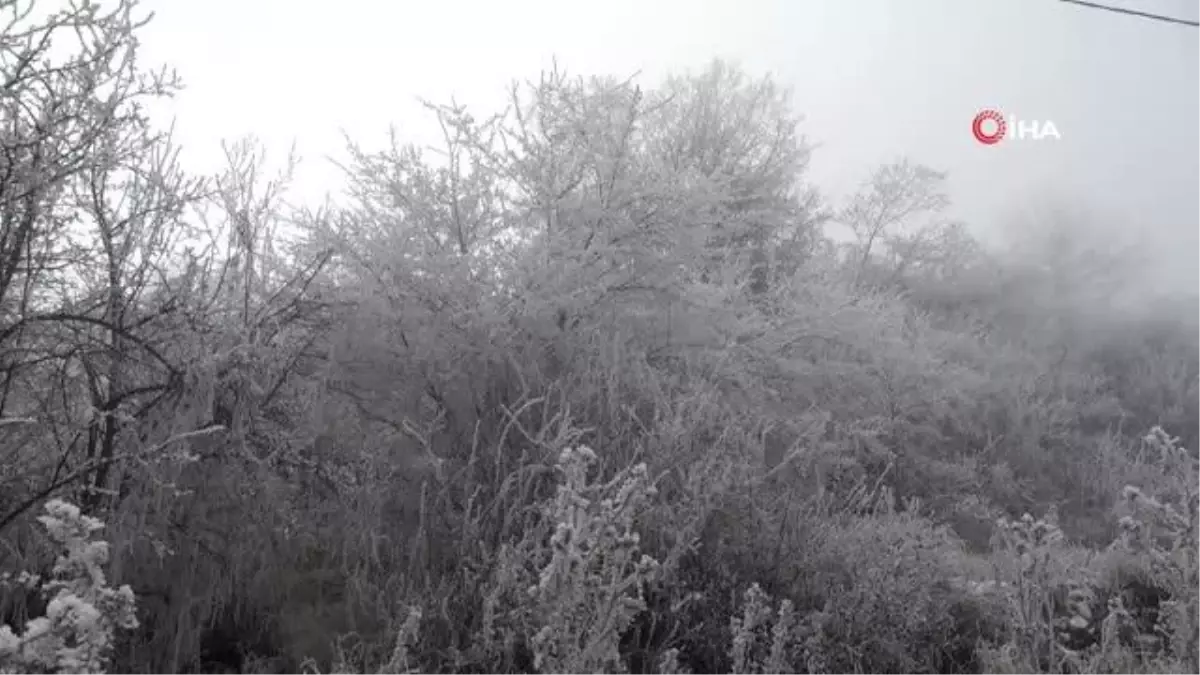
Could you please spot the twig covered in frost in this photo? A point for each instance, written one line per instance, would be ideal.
(76, 634)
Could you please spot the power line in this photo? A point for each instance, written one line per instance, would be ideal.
(1134, 12)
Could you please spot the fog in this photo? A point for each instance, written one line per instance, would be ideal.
(875, 80)
(585, 389)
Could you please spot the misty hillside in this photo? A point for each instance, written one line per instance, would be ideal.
(601, 382)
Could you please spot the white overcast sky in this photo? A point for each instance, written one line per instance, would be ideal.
(875, 79)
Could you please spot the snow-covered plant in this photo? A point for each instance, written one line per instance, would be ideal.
(762, 636)
(1028, 569)
(592, 587)
(569, 589)
(76, 634)
(1163, 531)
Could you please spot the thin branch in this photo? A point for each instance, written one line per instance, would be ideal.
(89, 467)
(108, 325)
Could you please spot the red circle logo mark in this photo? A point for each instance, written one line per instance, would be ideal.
(996, 135)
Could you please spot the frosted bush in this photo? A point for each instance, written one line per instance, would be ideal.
(571, 589)
(590, 590)
(76, 634)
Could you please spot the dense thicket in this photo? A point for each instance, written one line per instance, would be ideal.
(586, 388)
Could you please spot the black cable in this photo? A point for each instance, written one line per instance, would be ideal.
(1133, 12)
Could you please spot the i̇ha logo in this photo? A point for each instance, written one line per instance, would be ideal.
(990, 127)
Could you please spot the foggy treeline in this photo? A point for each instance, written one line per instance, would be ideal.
(586, 388)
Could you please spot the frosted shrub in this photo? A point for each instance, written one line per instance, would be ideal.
(591, 589)
(76, 634)
(759, 647)
(1157, 543)
(1162, 531)
(1027, 572)
(763, 640)
(584, 589)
